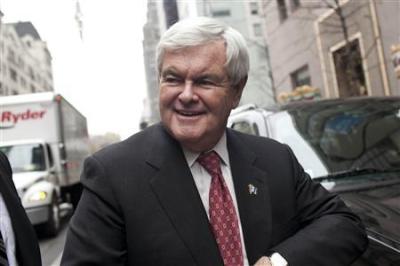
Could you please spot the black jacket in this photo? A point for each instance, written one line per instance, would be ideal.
(27, 247)
(140, 206)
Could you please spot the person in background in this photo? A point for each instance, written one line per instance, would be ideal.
(189, 191)
(18, 242)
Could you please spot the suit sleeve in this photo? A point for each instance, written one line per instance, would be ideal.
(330, 234)
(5, 165)
(96, 233)
(6, 171)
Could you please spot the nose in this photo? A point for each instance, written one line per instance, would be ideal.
(188, 94)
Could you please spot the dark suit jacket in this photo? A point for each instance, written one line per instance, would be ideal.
(140, 206)
(27, 248)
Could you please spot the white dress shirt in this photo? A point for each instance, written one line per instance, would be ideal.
(202, 180)
(8, 233)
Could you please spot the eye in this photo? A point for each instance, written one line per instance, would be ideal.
(171, 79)
(205, 82)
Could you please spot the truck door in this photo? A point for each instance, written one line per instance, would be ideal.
(53, 176)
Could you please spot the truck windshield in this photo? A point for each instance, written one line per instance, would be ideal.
(26, 157)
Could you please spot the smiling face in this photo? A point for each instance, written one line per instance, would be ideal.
(195, 95)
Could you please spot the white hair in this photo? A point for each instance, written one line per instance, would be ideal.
(201, 30)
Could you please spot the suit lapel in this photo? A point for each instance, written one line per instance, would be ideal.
(174, 186)
(25, 245)
(252, 196)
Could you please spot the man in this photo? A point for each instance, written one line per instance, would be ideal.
(18, 243)
(190, 192)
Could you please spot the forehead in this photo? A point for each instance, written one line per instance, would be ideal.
(211, 55)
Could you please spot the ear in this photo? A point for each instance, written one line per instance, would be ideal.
(238, 90)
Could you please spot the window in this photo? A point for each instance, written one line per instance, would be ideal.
(282, 10)
(246, 127)
(349, 70)
(257, 29)
(301, 77)
(13, 74)
(254, 8)
(23, 82)
(171, 12)
(221, 13)
(31, 73)
(295, 4)
(11, 55)
(49, 153)
(21, 63)
(26, 157)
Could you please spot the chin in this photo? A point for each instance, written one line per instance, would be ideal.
(187, 134)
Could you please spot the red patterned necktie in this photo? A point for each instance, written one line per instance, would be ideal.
(223, 218)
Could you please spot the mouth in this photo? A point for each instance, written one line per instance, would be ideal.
(189, 113)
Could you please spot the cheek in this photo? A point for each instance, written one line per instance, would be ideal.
(166, 96)
(226, 104)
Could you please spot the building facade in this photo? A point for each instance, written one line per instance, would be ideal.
(248, 19)
(25, 61)
(151, 36)
(341, 47)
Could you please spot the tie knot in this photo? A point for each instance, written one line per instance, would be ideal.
(211, 162)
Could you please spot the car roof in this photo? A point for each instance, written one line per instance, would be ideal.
(334, 101)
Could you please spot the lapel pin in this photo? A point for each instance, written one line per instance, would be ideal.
(252, 189)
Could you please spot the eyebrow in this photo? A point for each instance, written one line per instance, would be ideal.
(169, 71)
(212, 77)
(175, 72)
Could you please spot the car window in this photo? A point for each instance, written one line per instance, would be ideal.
(348, 135)
(246, 127)
(283, 129)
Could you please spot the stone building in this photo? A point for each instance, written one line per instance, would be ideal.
(342, 47)
(25, 61)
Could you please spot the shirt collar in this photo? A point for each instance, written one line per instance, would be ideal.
(220, 148)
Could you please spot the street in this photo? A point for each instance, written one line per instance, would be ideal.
(51, 248)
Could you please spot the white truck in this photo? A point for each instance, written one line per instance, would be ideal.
(46, 140)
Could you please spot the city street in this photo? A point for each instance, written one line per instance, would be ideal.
(51, 248)
(207, 132)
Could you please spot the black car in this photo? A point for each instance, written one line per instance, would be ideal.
(352, 147)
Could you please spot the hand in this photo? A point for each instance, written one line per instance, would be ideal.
(263, 261)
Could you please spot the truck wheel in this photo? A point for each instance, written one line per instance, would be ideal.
(52, 226)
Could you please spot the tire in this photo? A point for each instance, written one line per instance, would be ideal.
(52, 226)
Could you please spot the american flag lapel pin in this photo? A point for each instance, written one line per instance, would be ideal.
(252, 189)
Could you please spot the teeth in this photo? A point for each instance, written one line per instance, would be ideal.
(187, 113)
